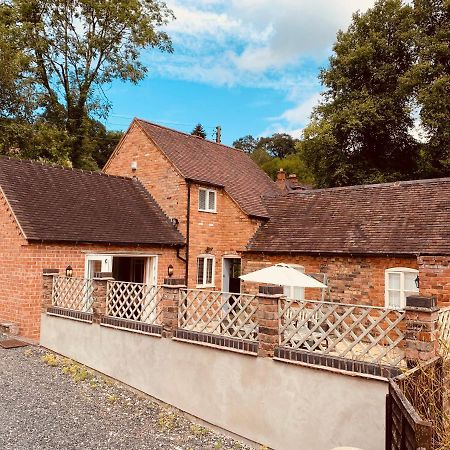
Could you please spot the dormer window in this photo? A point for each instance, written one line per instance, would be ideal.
(207, 200)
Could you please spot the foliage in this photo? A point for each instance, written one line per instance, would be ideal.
(66, 50)
(247, 143)
(360, 132)
(199, 131)
(279, 151)
(391, 62)
(279, 145)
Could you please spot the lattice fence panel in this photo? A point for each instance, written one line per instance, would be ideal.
(220, 313)
(134, 301)
(72, 293)
(444, 331)
(362, 333)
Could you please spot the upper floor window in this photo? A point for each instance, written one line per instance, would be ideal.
(207, 200)
(205, 271)
(295, 292)
(400, 282)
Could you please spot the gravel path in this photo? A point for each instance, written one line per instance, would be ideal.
(47, 402)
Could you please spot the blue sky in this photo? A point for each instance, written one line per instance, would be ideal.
(249, 65)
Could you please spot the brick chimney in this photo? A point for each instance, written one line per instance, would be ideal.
(281, 179)
(293, 178)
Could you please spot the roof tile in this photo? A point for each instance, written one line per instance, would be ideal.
(410, 217)
(205, 161)
(56, 204)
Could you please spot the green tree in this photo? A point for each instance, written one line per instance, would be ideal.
(77, 46)
(278, 145)
(199, 131)
(247, 143)
(429, 80)
(361, 130)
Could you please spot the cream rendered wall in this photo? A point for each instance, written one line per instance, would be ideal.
(281, 405)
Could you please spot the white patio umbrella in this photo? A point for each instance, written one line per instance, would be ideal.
(283, 275)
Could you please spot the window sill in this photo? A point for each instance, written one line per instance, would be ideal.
(207, 211)
(205, 286)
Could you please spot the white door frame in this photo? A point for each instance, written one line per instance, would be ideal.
(223, 268)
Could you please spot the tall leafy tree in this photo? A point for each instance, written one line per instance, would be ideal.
(279, 145)
(429, 80)
(246, 143)
(361, 130)
(77, 46)
(199, 131)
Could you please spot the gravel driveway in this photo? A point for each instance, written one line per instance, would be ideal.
(48, 402)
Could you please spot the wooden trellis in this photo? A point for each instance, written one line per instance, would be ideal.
(444, 331)
(72, 293)
(134, 301)
(220, 313)
(354, 332)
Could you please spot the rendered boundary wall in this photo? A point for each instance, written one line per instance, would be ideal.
(281, 405)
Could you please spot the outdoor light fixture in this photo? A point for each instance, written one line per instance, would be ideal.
(69, 271)
(417, 281)
(170, 270)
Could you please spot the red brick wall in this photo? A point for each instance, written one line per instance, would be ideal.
(154, 170)
(226, 232)
(353, 279)
(434, 275)
(21, 266)
(12, 273)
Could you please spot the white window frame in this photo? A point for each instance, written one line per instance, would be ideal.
(290, 295)
(106, 262)
(400, 271)
(205, 268)
(207, 193)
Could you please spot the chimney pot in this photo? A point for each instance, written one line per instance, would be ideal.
(281, 175)
(293, 178)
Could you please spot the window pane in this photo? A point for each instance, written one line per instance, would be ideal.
(202, 199)
(212, 200)
(209, 271)
(299, 293)
(287, 291)
(200, 268)
(394, 281)
(394, 299)
(410, 282)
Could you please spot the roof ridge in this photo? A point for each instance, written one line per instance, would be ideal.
(49, 164)
(371, 186)
(188, 135)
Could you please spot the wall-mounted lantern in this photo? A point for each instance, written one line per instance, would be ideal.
(170, 270)
(417, 281)
(69, 271)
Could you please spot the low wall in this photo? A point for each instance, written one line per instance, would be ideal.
(281, 405)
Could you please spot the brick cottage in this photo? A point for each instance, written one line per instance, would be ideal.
(212, 191)
(90, 222)
(167, 199)
(371, 244)
(374, 244)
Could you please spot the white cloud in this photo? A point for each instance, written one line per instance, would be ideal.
(258, 43)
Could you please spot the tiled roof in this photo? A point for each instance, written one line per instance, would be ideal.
(56, 204)
(408, 217)
(204, 161)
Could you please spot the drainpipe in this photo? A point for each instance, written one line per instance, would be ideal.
(188, 226)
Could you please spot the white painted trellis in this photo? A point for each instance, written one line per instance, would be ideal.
(444, 331)
(72, 293)
(219, 313)
(134, 301)
(356, 332)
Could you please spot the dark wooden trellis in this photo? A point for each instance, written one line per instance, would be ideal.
(405, 427)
